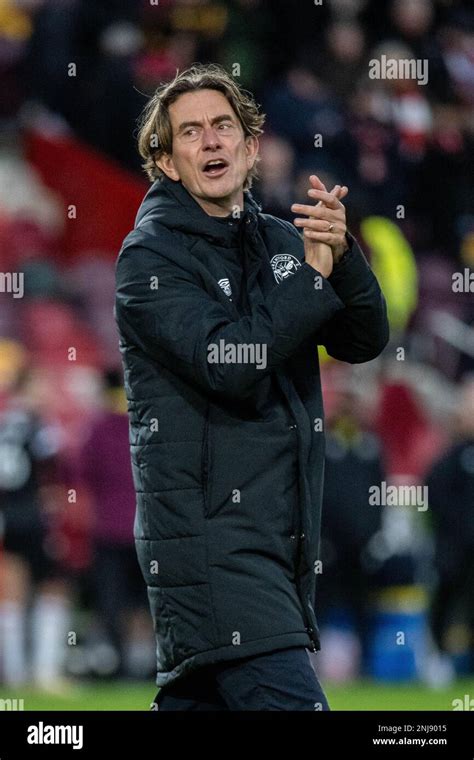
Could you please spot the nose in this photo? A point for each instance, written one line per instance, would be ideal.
(210, 138)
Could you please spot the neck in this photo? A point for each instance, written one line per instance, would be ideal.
(221, 206)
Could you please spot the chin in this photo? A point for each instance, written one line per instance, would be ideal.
(224, 190)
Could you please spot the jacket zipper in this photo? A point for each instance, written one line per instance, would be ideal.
(295, 517)
(298, 536)
(205, 464)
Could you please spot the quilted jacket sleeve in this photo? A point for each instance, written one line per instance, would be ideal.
(162, 308)
(360, 331)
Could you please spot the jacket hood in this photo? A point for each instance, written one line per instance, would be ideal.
(169, 203)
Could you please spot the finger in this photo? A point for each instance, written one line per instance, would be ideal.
(322, 237)
(316, 183)
(342, 192)
(321, 225)
(329, 199)
(338, 191)
(319, 212)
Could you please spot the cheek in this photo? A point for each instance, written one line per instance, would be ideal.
(187, 164)
(242, 160)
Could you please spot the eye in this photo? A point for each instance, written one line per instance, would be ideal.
(225, 124)
(189, 131)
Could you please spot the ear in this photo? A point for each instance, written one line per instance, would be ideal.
(166, 164)
(251, 148)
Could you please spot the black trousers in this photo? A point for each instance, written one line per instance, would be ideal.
(281, 680)
(455, 590)
(118, 587)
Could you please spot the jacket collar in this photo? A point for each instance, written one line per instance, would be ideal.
(169, 203)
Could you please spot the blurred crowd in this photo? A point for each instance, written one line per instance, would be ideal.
(72, 602)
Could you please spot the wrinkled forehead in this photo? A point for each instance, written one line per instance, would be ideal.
(200, 106)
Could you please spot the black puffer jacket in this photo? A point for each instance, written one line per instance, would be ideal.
(227, 456)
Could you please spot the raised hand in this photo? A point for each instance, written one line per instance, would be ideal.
(325, 228)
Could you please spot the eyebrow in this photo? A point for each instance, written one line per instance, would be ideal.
(215, 120)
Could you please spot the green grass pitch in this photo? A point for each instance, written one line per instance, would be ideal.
(359, 695)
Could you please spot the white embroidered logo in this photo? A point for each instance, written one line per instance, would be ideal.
(225, 285)
(284, 264)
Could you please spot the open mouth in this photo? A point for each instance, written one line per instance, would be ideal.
(215, 167)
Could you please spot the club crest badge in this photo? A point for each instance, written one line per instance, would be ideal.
(284, 265)
(225, 285)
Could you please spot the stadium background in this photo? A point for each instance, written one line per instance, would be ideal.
(396, 597)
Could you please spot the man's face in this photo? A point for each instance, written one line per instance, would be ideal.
(206, 128)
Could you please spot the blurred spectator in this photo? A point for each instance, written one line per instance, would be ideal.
(275, 187)
(451, 499)
(302, 92)
(343, 58)
(250, 24)
(412, 22)
(353, 465)
(33, 591)
(458, 41)
(120, 592)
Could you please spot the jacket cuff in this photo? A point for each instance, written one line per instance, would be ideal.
(318, 284)
(347, 255)
(352, 273)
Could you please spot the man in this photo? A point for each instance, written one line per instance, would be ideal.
(120, 601)
(220, 310)
(33, 590)
(451, 498)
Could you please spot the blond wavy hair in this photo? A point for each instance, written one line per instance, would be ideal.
(155, 135)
